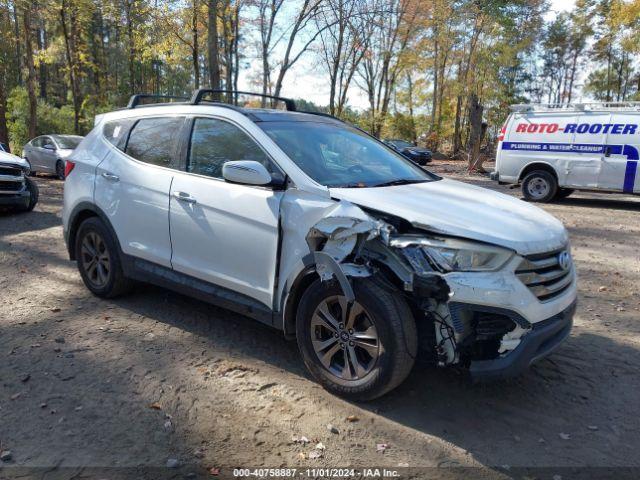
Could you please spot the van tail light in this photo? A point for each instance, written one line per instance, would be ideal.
(503, 132)
(68, 167)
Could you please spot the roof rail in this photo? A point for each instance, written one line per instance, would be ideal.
(196, 98)
(134, 100)
(580, 107)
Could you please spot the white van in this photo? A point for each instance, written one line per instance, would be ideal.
(554, 149)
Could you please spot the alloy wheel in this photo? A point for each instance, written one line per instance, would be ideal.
(344, 338)
(95, 259)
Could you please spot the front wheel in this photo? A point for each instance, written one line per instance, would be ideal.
(359, 351)
(539, 186)
(34, 194)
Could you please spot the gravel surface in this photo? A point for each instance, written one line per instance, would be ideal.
(156, 379)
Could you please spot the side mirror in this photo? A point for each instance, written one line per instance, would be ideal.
(246, 172)
(49, 146)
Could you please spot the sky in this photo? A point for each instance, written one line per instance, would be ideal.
(300, 82)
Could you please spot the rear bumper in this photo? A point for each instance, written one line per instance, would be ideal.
(544, 337)
(18, 199)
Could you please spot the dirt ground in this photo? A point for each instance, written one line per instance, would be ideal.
(132, 385)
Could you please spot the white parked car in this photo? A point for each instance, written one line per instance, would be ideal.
(555, 149)
(16, 190)
(48, 153)
(318, 229)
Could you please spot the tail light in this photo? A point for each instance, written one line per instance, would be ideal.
(68, 167)
(503, 132)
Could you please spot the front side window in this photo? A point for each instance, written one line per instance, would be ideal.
(154, 140)
(337, 155)
(46, 141)
(215, 142)
(37, 142)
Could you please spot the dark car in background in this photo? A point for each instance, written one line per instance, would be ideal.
(419, 155)
(48, 153)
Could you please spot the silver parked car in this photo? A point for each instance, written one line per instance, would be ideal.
(48, 153)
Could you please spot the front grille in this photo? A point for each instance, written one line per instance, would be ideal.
(10, 186)
(544, 275)
(12, 171)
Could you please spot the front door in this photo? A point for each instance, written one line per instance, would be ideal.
(620, 163)
(585, 161)
(221, 232)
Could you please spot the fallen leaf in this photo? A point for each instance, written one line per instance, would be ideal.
(155, 406)
(565, 436)
(381, 447)
(320, 446)
(352, 418)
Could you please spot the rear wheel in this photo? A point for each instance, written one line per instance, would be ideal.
(359, 351)
(60, 169)
(99, 261)
(539, 186)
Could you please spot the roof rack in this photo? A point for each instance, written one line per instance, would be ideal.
(580, 107)
(197, 96)
(134, 100)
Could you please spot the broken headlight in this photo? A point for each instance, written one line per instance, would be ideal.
(452, 255)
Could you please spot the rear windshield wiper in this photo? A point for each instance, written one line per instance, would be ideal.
(402, 181)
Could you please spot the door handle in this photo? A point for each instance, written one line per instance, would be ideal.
(184, 197)
(111, 177)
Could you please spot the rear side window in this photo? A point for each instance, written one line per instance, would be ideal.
(215, 142)
(154, 140)
(37, 142)
(116, 131)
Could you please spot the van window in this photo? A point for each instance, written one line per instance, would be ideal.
(154, 140)
(215, 142)
(116, 131)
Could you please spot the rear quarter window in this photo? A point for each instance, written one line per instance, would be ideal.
(116, 131)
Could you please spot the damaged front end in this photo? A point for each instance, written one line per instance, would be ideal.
(396, 254)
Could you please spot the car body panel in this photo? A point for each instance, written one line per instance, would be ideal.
(458, 209)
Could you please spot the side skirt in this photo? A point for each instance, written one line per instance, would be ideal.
(145, 271)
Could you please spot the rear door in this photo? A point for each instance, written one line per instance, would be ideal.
(133, 183)
(620, 163)
(224, 233)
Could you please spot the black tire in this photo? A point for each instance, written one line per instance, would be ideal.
(396, 336)
(60, 169)
(115, 283)
(564, 193)
(539, 186)
(32, 173)
(34, 194)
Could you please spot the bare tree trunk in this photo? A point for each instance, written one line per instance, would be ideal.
(70, 47)
(475, 134)
(196, 51)
(4, 131)
(132, 47)
(31, 73)
(16, 32)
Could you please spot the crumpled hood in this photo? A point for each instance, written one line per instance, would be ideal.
(462, 210)
(11, 159)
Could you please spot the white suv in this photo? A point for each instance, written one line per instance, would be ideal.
(314, 227)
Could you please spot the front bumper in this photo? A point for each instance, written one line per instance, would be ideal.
(18, 199)
(543, 338)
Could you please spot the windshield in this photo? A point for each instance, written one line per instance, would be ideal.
(336, 155)
(68, 141)
(401, 144)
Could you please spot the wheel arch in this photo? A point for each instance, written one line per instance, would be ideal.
(538, 165)
(80, 213)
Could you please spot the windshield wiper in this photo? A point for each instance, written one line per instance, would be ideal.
(402, 181)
